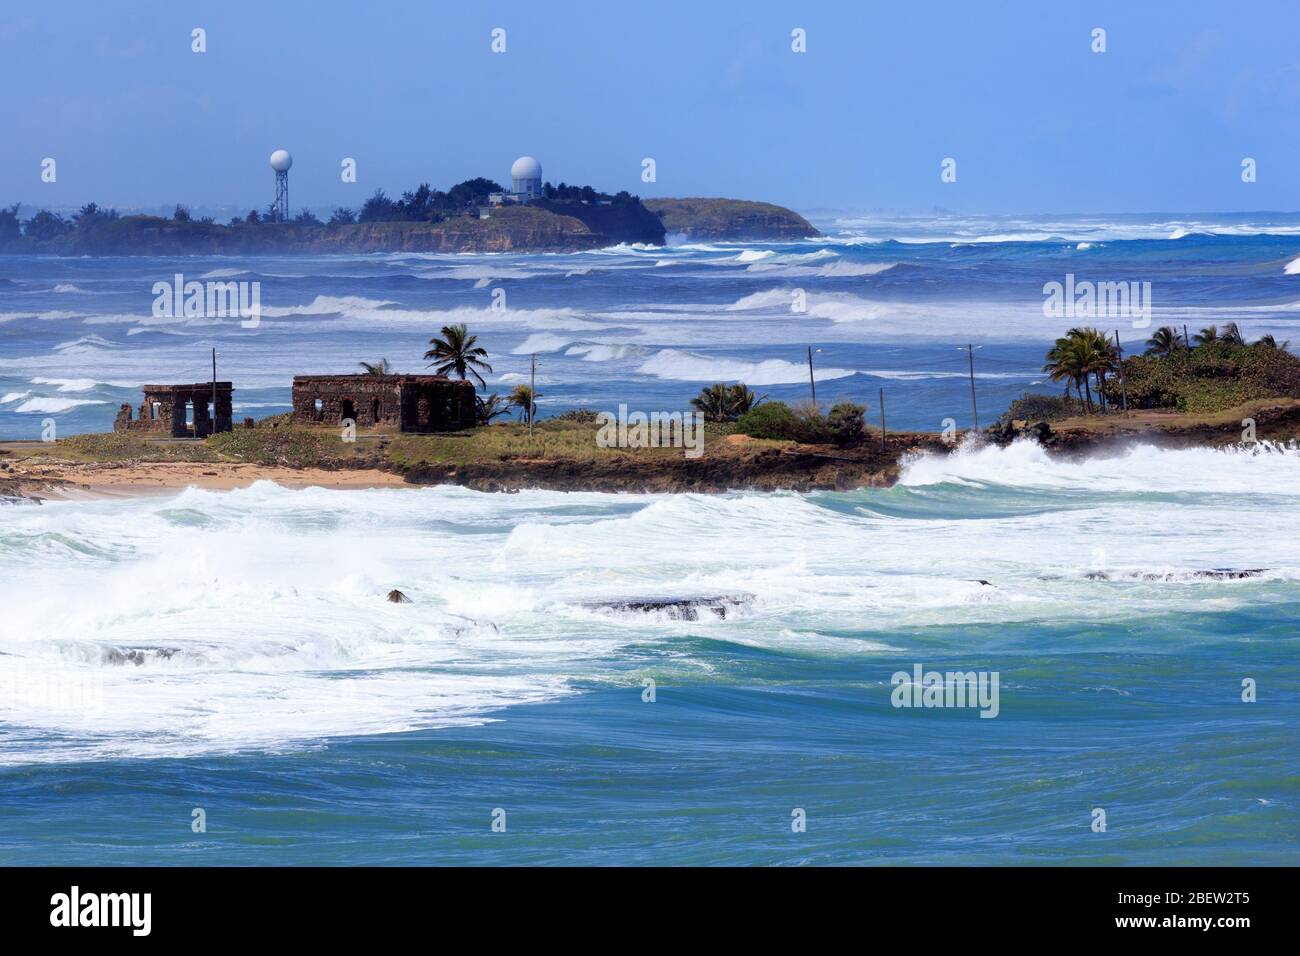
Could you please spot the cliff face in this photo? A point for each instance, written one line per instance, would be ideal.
(735, 220)
(616, 222)
(509, 229)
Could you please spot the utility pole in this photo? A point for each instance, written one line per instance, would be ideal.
(812, 382)
(882, 419)
(532, 396)
(974, 410)
(214, 390)
(1123, 379)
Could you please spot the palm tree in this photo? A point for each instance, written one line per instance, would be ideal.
(1232, 335)
(525, 399)
(1102, 358)
(1207, 335)
(378, 368)
(1065, 362)
(1268, 342)
(486, 409)
(725, 403)
(1077, 357)
(456, 352)
(1164, 342)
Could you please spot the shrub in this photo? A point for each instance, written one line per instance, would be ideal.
(1210, 377)
(846, 424)
(805, 424)
(578, 416)
(769, 420)
(1042, 408)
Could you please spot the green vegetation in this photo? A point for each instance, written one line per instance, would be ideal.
(1081, 357)
(725, 403)
(423, 204)
(456, 352)
(569, 217)
(489, 407)
(844, 425)
(1217, 370)
(1042, 408)
(524, 398)
(1217, 374)
(734, 219)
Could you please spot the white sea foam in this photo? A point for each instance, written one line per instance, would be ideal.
(71, 384)
(541, 342)
(692, 367)
(329, 304)
(604, 351)
(55, 405)
(210, 622)
(1259, 468)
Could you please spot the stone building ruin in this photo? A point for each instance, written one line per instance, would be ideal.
(181, 411)
(410, 403)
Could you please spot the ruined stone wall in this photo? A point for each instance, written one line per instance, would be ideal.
(427, 403)
(369, 400)
(437, 406)
(164, 410)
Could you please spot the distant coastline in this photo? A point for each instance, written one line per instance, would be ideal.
(540, 226)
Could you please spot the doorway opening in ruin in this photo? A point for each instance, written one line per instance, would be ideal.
(155, 410)
(320, 409)
(189, 414)
(347, 410)
(376, 409)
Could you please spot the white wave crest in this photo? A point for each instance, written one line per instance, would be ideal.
(691, 367)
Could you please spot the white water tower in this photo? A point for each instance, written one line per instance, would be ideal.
(280, 162)
(526, 178)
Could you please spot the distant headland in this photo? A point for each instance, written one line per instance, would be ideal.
(477, 215)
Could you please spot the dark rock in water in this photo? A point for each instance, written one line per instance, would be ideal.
(1003, 433)
(1213, 574)
(678, 608)
(981, 581)
(136, 655)
(397, 597)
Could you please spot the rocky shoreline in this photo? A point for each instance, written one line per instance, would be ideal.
(29, 470)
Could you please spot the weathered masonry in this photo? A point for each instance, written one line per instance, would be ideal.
(411, 403)
(179, 410)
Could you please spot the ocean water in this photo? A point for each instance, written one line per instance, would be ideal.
(891, 304)
(233, 652)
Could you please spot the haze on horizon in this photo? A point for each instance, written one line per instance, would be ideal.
(1037, 122)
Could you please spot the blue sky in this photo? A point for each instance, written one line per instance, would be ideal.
(710, 90)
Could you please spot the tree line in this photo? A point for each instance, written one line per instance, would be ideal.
(422, 204)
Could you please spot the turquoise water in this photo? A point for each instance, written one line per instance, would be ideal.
(314, 722)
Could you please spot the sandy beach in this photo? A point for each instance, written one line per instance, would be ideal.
(69, 481)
